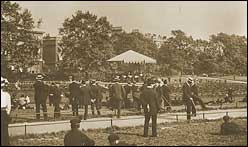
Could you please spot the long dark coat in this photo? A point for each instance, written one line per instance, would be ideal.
(40, 92)
(86, 95)
(149, 97)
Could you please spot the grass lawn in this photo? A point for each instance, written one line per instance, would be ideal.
(199, 132)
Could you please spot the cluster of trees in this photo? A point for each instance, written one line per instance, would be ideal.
(19, 45)
(88, 41)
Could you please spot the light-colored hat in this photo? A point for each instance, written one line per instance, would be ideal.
(189, 79)
(39, 77)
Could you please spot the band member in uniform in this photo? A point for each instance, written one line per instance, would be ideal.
(151, 105)
(75, 137)
(5, 112)
(40, 96)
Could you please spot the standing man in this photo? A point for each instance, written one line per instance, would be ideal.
(96, 98)
(166, 95)
(117, 93)
(86, 95)
(5, 112)
(40, 96)
(136, 96)
(75, 137)
(188, 98)
(55, 92)
(151, 107)
(128, 96)
(195, 95)
(74, 96)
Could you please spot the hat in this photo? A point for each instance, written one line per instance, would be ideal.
(75, 121)
(4, 81)
(112, 137)
(83, 82)
(165, 81)
(189, 79)
(226, 118)
(39, 77)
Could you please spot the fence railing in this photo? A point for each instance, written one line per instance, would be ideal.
(168, 116)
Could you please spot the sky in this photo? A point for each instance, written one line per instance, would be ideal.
(198, 19)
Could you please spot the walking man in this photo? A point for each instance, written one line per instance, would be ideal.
(40, 96)
(151, 105)
(5, 112)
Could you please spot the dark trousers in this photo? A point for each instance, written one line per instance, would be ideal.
(138, 103)
(75, 108)
(154, 124)
(44, 108)
(4, 129)
(190, 107)
(56, 110)
(96, 104)
(85, 112)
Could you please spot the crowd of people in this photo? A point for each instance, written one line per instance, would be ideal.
(153, 96)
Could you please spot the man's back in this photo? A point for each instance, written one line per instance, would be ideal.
(150, 98)
(118, 91)
(74, 89)
(77, 138)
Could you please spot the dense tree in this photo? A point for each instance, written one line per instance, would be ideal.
(134, 41)
(86, 42)
(19, 44)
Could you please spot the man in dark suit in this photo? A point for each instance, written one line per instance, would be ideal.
(40, 96)
(74, 96)
(117, 95)
(151, 105)
(55, 93)
(195, 95)
(188, 98)
(96, 98)
(75, 137)
(86, 94)
(166, 95)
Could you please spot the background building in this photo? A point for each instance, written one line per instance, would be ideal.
(51, 53)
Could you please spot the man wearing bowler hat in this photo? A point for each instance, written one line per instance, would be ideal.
(40, 96)
(188, 98)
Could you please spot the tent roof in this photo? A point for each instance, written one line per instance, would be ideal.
(132, 57)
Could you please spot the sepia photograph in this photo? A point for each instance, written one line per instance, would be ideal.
(123, 73)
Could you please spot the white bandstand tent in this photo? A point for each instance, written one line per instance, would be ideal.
(131, 56)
